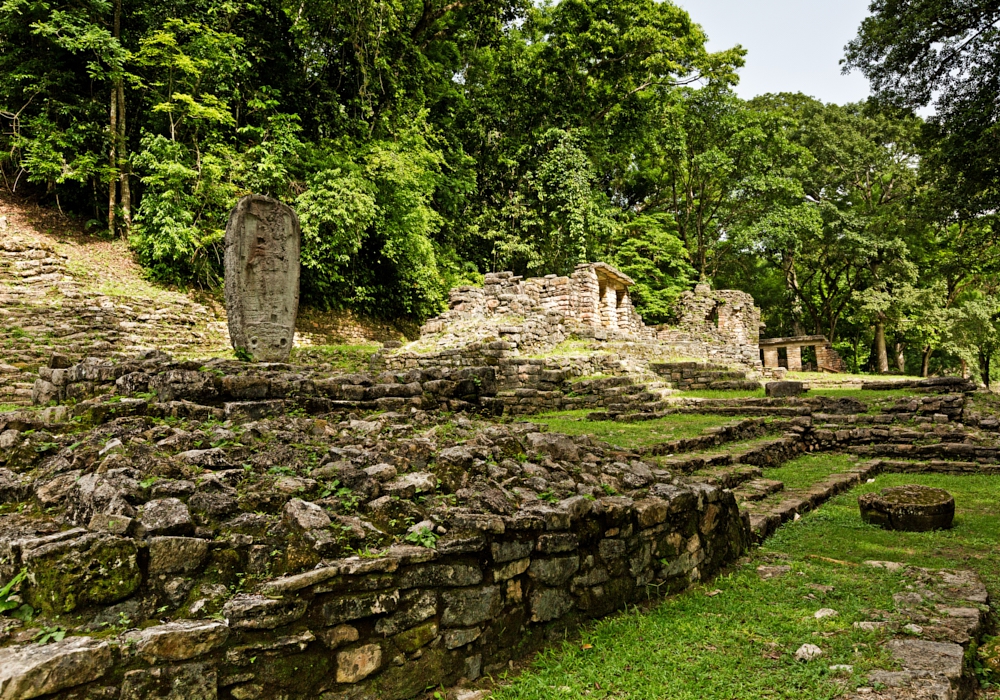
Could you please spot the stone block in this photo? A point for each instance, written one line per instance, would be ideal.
(176, 554)
(166, 516)
(186, 682)
(468, 607)
(784, 389)
(178, 641)
(32, 670)
(357, 664)
(262, 277)
(550, 604)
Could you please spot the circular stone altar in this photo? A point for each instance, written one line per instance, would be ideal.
(912, 507)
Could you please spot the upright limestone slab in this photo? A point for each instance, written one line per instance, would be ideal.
(262, 277)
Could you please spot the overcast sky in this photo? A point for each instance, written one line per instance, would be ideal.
(792, 45)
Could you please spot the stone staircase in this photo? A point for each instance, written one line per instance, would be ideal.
(694, 376)
(51, 305)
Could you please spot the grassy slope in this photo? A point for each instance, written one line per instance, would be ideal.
(673, 427)
(740, 642)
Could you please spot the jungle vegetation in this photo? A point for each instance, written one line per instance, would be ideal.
(425, 143)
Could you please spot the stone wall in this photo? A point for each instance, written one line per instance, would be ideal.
(726, 322)
(236, 388)
(594, 296)
(387, 627)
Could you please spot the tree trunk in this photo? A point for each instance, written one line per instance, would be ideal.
(119, 185)
(925, 366)
(113, 161)
(881, 356)
(901, 358)
(123, 166)
(965, 369)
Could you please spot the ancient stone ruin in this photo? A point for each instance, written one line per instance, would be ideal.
(912, 507)
(827, 359)
(262, 277)
(521, 327)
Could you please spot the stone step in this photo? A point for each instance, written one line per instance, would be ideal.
(757, 489)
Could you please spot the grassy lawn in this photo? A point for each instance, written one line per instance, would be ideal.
(864, 395)
(740, 642)
(632, 435)
(802, 472)
(720, 394)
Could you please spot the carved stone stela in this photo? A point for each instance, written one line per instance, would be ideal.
(262, 277)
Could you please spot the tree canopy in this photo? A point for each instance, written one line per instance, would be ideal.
(424, 144)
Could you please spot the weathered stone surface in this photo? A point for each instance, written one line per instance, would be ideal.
(416, 637)
(260, 612)
(357, 664)
(186, 682)
(554, 572)
(408, 485)
(167, 516)
(302, 515)
(94, 568)
(912, 507)
(921, 655)
(808, 652)
(338, 636)
(32, 670)
(460, 637)
(553, 444)
(356, 607)
(169, 555)
(262, 277)
(178, 641)
(781, 389)
(467, 607)
(549, 604)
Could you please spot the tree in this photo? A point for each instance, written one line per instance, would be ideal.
(947, 52)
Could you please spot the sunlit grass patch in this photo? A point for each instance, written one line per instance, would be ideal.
(632, 435)
(802, 472)
(740, 642)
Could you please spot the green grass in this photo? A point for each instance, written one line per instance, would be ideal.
(571, 346)
(862, 394)
(4, 407)
(972, 543)
(632, 435)
(721, 394)
(802, 472)
(740, 642)
(345, 357)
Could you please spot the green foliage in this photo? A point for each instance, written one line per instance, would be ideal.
(650, 252)
(425, 144)
(50, 634)
(7, 592)
(423, 537)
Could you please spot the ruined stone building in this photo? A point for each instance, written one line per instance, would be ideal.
(511, 316)
(595, 296)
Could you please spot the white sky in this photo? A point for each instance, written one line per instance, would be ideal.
(792, 45)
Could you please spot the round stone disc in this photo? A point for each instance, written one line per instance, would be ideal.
(913, 507)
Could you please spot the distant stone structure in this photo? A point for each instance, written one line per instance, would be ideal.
(827, 359)
(725, 320)
(510, 319)
(595, 296)
(262, 277)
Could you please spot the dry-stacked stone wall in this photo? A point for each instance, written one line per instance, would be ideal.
(236, 389)
(239, 531)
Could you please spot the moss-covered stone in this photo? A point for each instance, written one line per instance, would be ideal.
(92, 569)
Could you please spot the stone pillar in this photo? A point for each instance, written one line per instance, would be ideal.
(262, 277)
(794, 358)
(609, 304)
(771, 357)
